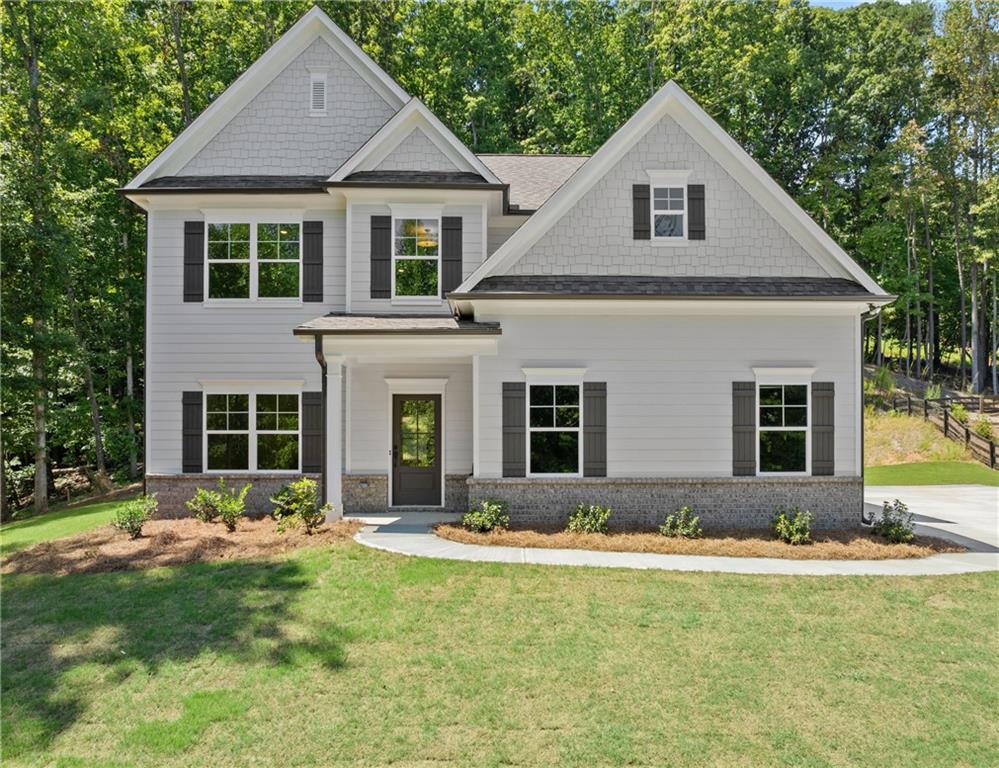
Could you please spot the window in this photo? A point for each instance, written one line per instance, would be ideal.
(260, 260)
(553, 429)
(668, 204)
(783, 427)
(272, 444)
(416, 258)
(317, 93)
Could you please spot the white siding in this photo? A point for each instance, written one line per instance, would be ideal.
(416, 152)
(189, 342)
(596, 237)
(669, 381)
(360, 257)
(500, 231)
(370, 415)
(275, 134)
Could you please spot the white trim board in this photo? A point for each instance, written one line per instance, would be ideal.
(245, 88)
(673, 101)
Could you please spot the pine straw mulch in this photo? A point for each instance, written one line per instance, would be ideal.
(169, 542)
(827, 545)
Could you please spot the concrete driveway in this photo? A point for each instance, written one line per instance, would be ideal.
(967, 514)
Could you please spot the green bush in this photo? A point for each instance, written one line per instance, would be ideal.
(490, 515)
(589, 519)
(959, 412)
(297, 504)
(933, 392)
(132, 515)
(895, 523)
(204, 505)
(793, 526)
(983, 428)
(682, 524)
(231, 505)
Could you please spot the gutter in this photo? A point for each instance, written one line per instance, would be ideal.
(506, 296)
(321, 359)
(873, 311)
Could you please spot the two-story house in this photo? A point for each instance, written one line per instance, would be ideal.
(338, 287)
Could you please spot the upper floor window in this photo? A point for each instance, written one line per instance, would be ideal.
(259, 260)
(668, 208)
(416, 263)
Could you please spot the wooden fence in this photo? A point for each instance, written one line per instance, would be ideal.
(938, 413)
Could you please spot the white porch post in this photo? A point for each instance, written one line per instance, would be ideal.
(334, 436)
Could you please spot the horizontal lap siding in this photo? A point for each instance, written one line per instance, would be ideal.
(369, 414)
(669, 382)
(188, 342)
(360, 233)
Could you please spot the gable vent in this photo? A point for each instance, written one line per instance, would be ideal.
(317, 93)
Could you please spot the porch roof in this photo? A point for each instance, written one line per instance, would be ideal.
(341, 324)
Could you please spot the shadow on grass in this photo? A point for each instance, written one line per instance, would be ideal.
(62, 636)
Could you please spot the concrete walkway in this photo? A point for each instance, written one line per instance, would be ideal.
(968, 514)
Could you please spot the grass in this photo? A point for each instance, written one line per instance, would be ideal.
(343, 655)
(55, 525)
(896, 438)
(932, 473)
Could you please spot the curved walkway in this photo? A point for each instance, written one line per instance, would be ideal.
(409, 533)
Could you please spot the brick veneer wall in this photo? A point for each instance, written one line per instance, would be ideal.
(738, 502)
(173, 490)
(368, 494)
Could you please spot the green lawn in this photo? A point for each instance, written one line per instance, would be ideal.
(55, 525)
(346, 656)
(932, 473)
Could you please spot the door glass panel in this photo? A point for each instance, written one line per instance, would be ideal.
(418, 428)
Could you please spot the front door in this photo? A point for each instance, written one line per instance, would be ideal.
(416, 455)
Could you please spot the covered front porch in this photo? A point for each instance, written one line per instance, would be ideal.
(399, 409)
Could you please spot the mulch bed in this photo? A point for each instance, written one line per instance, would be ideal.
(827, 545)
(169, 542)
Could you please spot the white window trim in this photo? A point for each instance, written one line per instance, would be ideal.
(668, 179)
(555, 377)
(793, 379)
(411, 211)
(251, 391)
(318, 76)
(253, 218)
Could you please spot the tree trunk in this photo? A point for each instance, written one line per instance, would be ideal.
(185, 90)
(995, 337)
(879, 353)
(88, 375)
(933, 351)
(961, 293)
(977, 374)
(133, 443)
(41, 397)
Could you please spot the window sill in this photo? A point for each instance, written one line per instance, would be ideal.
(784, 474)
(554, 476)
(669, 242)
(242, 303)
(251, 472)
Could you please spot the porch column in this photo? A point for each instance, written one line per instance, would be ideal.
(334, 437)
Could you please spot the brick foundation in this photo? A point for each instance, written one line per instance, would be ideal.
(368, 494)
(173, 490)
(735, 502)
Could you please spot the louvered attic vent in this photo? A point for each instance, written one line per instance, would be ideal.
(317, 93)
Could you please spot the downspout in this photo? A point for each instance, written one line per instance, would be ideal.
(870, 314)
(321, 358)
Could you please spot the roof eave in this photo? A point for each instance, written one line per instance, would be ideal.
(512, 296)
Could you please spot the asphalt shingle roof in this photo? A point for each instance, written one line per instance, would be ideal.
(237, 183)
(340, 323)
(532, 178)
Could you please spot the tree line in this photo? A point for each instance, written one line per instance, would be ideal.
(880, 120)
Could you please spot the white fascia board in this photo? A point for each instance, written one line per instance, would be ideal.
(673, 100)
(415, 114)
(257, 76)
(191, 201)
(495, 309)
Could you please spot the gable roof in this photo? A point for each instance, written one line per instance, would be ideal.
(242, 91)
(414, 115)
(672, 100)
(532, 178)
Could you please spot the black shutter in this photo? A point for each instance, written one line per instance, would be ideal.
(194, 261)
(641, 212)
(594, 429)
(312, 261)
(312, 432)
(823, 418)
(514, 429)
(450, 254)
(743, 428)
(695, 202)
(192, 423)
(381, 257)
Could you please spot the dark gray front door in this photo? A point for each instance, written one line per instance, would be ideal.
(416, 456)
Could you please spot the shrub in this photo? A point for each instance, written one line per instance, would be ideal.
(933, 392)
(883, 380)
(231, 505)
(204, 505)
(490, 515)
(895, 523)
(297, 504)
(681, 524)
(983, 428)
(959, 412)
(132, 515)
(589, 519)
(793, 526)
